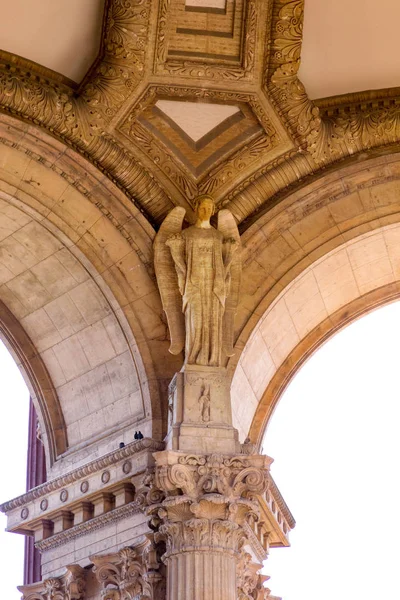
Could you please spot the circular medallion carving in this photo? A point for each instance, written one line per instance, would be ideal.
(127, 467)
(84, 487)
(24, 513)
(64, 496)
(44, 504)
(105, 477)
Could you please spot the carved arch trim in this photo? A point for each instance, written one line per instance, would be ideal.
(324, 256)
(38, 381)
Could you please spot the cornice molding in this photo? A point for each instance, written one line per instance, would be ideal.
(281, 503)
(98, 464)
(88, 526)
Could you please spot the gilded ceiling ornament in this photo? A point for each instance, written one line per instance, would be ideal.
(101, 117)
(198, 274)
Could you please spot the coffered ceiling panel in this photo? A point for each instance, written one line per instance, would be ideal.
(197, 119)
(350, 46)
(63, 35)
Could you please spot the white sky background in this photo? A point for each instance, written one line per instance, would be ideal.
(335, 438)
(14, 398)
(335, 441)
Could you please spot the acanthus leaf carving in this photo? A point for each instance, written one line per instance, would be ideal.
(302, 113)
(289, 31)
(120, 574)
(248, 578)
(125, 31)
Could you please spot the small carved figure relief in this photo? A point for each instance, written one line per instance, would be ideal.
(198, 274)
(204, 402)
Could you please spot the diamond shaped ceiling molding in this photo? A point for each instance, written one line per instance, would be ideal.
(197, 119)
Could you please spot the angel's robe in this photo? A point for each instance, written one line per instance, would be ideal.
(202, 261)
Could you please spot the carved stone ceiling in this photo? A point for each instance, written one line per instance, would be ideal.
(49, 32)
(350, 47)
(195, 96)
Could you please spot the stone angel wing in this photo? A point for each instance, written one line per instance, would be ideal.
(227, 226)
(167, 279)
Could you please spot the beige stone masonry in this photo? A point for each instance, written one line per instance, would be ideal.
(343, 276)
(200, 411)
(85, 493)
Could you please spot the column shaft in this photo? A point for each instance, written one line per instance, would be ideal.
(201, 575)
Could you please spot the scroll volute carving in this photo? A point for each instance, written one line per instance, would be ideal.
(196, 475)
(75, 583)
(131, 574)
(119, 574)
(250, 582)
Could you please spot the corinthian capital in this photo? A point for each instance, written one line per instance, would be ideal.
(131, 573)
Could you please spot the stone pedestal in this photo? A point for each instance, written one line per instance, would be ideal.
(200, 411)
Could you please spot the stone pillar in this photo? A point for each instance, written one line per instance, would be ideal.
(207, 503)
(35, 475)
(201, 560)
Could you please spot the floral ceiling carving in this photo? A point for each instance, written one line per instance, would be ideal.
(247, 55)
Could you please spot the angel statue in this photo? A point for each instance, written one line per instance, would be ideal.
(198, 274)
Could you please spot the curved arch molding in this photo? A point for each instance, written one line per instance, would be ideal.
(76, 273)
(38, 382)
(321, 258)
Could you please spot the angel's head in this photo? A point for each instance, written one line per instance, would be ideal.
(204, 206)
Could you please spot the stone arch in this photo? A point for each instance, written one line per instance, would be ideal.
(38, 382)
(56, 208)
(326, 255)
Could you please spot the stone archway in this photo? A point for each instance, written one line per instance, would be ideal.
(320, 259)
(76, 274)
(38, 382)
